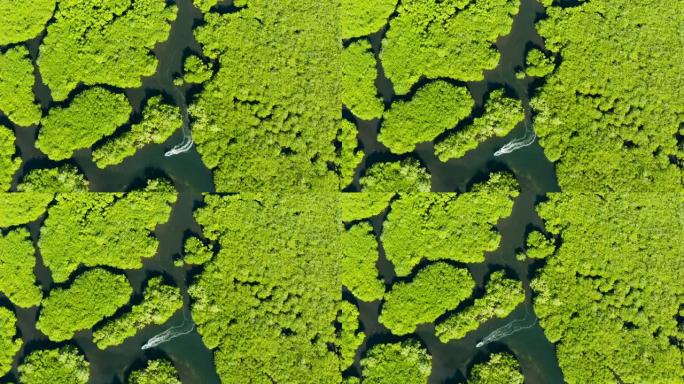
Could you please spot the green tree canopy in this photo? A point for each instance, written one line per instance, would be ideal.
(538, 246)
(110, 43)
(9, 161)
(17, 261)
(363, 17)
(358, 81)
(453, 39)
(10, 344)
(434, 108)
(196, 71)
(357, 206)
(359, 255)
(537, 64)
(434, 290)
(449, 226)
(64, 179)
(22, 208)
(405, 362)
(92, 115)
(501, 368)
(350, 338)
(93, 295)
(350, 155)
(158, 371)
(22, 20)
(406, 175)
(196, 252)
(65, 365)
(16, 85)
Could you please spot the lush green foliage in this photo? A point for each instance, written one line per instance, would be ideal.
(406, 362)
(22, 208)
(447, 225)
(444, 39)
(538, 64)
(363, 17)
(501, 297)
(434, 108)
(609, 115)
(266, 304)
(358, 81)
(350, 156)
(269, 117)
(196, 252)
(9, 163)
(94, 295)
(435, 289)
(92, 115)
(359, 255)
(160, 302)
(103, 42)
(502, 114)
(613, 291)
(65, 178)
(160, 121)
(102, 229)
(22, 20)
(16, 82)
(357, 206)
(159, 371)
(196, 71)
(538, 246)
(501, 368)
(9, 343)
(350, 338)
(65, 365)
(17, 261)
(406, 175)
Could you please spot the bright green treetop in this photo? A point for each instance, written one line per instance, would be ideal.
(16, 85)
(22, 208)
(9, 161)
(94, 295)
(196, 71)
(65, 365)
(10, 344)
(435, 289)
(17, 261)
(615, 131)
(102, 229)
(451, 39)
(270, 297)
(350, 338)
(406, 362)
(501, 297)
(22, 20)
(196, 252)
(159, 371)
(358, 81)
(159, 122)
(611, 295)
(501, 368)
(538, 246)
(537, 64)
(358, 206)
(109, 42)
(160, 302)
(446, 225)
(269, 117)
(361, 18)
(502, 114)
(92, 115)
(65, 178)
(359, 255)
(406, 175)
(434, 108)
(350, 155)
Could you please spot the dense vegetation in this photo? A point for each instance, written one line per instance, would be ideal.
(350, 338)
(93, 295)
(609, 115)
(612, 293)
(92, 115)
(268, 118)
(502, 296)
(357, 206)
(109, 43)
(350, 156)
(537, 64)
(9, 342)
(48, 366)
(64, 179)
(358, 81)
(102, 229)
(22, 20)
(435, 289)
(22, 208)
(196, 71)
(451, 39)
(17, 261)
(160, 121)
(501, 115)
(160, 302)
(447, 226)
(359, 255)
(434, 108)
(406, 175)
(499, 369)
(267, 302)
(159, 371)
(16, 82)
(9, 163)
(196, 252)
(361, 18)
(405, 362)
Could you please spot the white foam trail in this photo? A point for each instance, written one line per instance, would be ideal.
(170, 334)
(514, 326)
(517, 143)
